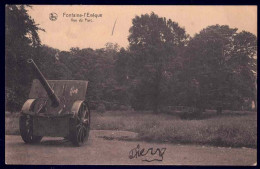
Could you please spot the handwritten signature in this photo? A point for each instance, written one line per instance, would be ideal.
(150, 154)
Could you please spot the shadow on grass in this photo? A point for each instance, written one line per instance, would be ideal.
(208, 115)
(56, 143)
(216, 142)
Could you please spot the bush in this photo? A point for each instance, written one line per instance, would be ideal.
(115, 107)
(165, 109)
(108, 105)
(123, 108)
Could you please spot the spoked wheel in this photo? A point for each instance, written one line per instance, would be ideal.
(81, 126)
(26, 130)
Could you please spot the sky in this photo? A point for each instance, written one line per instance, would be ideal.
(96, 30)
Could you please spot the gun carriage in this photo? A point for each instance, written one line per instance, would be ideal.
(55, 108)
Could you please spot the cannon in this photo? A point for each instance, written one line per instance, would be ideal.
(55, 108)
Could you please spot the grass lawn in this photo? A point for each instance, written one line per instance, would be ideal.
(234, 129)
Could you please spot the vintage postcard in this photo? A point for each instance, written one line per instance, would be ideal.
(131, 85)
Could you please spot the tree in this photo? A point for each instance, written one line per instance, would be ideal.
(122, 66)
(122, 76)
(155, 43)
(213, 57)
(51, 64)
(244, 66)
(112, 48)
(21, 42)
(95, 66)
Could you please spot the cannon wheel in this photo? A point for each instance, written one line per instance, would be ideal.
(26, 130)
(81, 126)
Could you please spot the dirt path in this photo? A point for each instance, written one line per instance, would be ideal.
(100, 151)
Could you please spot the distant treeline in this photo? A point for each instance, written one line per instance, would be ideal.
(162, 66)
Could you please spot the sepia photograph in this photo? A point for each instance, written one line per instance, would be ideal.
(131, 85)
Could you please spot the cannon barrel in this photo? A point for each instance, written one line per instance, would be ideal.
(54, 99)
